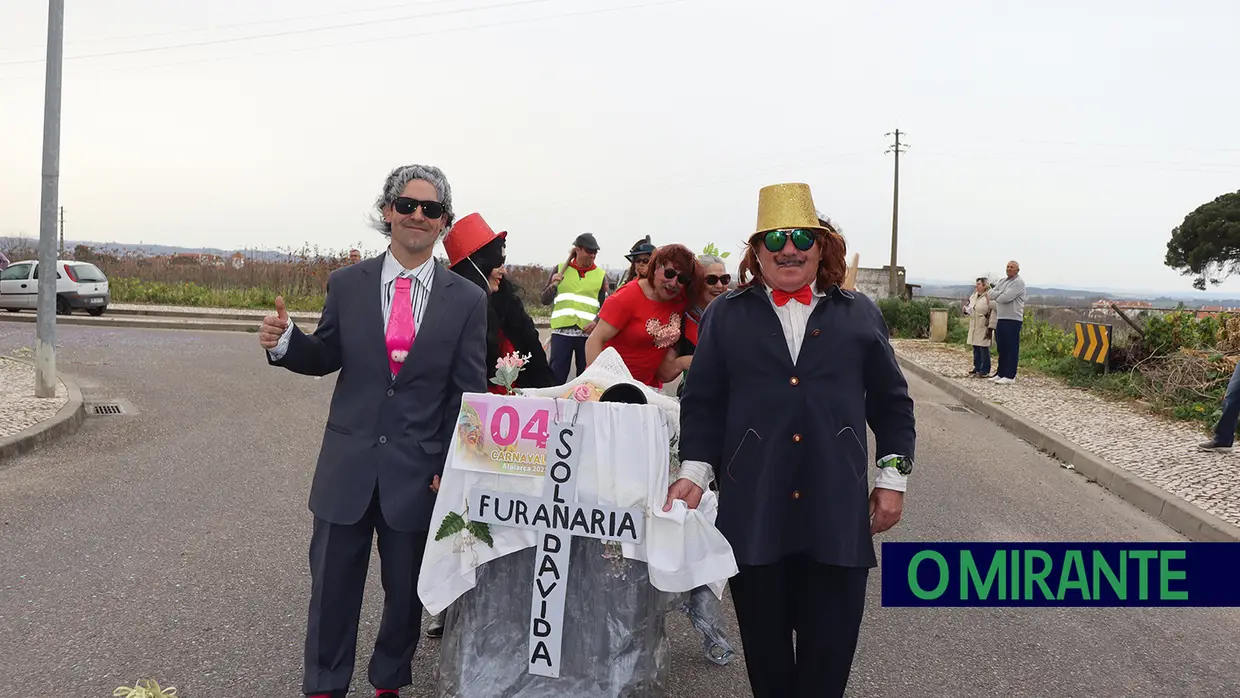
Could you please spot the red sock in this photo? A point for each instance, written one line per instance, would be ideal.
(381, 692)
(320, 695)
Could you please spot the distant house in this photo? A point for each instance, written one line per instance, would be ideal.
(1104, 303)
(1212, 310)
(202, 258)
(237, 260)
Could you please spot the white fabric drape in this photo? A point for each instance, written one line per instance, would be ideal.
(624, 463)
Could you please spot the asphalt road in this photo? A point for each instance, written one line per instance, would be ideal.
(171, 543)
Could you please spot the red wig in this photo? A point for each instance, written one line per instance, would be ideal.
(683, 261)
(831, 265)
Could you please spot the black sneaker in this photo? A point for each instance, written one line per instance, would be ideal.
(435, 629)
(1214, 446)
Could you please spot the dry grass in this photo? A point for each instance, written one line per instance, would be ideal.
(300, 276)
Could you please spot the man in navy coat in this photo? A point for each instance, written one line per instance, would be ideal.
(789, 370)
(408, 338)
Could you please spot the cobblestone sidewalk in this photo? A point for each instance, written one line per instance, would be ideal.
(1161, 451)
(19, 408)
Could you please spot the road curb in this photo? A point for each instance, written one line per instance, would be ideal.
(299, 317)
(153, 324)
(1188, 519)
(191, 322)
(65, 422)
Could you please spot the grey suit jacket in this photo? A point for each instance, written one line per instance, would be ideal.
(393, 433)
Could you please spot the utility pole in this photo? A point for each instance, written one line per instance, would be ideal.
(897, 148)
(62, 231)
(45, 335)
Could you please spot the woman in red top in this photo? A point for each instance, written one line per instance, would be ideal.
(643, 320)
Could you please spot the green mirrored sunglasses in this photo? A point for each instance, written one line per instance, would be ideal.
(802, 239)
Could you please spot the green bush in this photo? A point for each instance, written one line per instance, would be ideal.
(1168, 333)
(1042, 340)
(126, 289)
(132, 290)
(911, 319)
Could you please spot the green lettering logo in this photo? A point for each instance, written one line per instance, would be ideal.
(969, 576)
(1165, 575)
(944, 575)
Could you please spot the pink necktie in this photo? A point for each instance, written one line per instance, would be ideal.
(400, 329)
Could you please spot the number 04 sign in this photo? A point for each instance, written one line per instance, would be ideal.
(503, 434)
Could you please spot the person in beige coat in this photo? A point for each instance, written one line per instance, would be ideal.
(983, 317)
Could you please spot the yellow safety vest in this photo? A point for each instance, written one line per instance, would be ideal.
(576, 299)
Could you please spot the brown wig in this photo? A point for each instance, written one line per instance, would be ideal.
(683, 261)
(831, 266)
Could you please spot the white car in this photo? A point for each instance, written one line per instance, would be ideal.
(79, 285)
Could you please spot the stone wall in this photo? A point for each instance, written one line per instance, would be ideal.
(876, 283)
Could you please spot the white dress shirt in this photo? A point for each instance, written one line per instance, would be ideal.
(794, 319)
(419, 294)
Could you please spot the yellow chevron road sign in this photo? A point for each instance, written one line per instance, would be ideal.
(1093, 342)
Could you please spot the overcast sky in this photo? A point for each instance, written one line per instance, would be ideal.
(1072, 136)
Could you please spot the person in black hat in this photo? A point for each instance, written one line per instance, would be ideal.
(575, 291)
(639, 257)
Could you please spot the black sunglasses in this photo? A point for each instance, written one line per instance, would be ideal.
(642, 260)
(712, 279)
(802, 239)
(406, 206)
(684, 279)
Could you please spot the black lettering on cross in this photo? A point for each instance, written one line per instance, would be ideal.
(567, 518)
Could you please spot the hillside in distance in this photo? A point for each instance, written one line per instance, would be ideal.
(156, 250)
(1075, 296)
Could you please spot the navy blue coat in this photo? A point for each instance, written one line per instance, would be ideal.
(390, 433)
(788, 441)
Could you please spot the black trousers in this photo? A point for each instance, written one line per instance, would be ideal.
(563, 350)
(822, 604)
(339, 561)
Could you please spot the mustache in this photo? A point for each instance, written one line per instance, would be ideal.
(790, 261)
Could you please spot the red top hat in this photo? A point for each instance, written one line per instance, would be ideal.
(468, 236)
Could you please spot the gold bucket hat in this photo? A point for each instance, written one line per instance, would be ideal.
(786, 206)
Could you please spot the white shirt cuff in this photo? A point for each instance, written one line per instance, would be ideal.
(697, 472)
(282, 346)
(889, 478)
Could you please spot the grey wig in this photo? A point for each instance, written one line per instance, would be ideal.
(395, 184)
(708, 259)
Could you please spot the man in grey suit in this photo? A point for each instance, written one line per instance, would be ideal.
(408, 338)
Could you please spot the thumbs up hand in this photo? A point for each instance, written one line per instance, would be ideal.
(273, 326)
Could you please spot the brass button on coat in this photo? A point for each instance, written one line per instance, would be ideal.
(796, 438)
(815, 333)
(794, 381)
(796, 494)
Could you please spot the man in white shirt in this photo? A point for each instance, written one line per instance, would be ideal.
(408, 338)
(788, 372)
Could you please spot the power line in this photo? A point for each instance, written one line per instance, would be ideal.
(378, 39)
(290, 32)
(238, 25)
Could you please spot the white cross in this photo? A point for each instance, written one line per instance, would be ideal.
(557, 517)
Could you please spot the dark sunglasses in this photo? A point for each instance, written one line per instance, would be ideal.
(642, 260)
(406, 206)
(802, 239)
(711, 279)
(684, 279)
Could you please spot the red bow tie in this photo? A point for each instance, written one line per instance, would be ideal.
(803, 295)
